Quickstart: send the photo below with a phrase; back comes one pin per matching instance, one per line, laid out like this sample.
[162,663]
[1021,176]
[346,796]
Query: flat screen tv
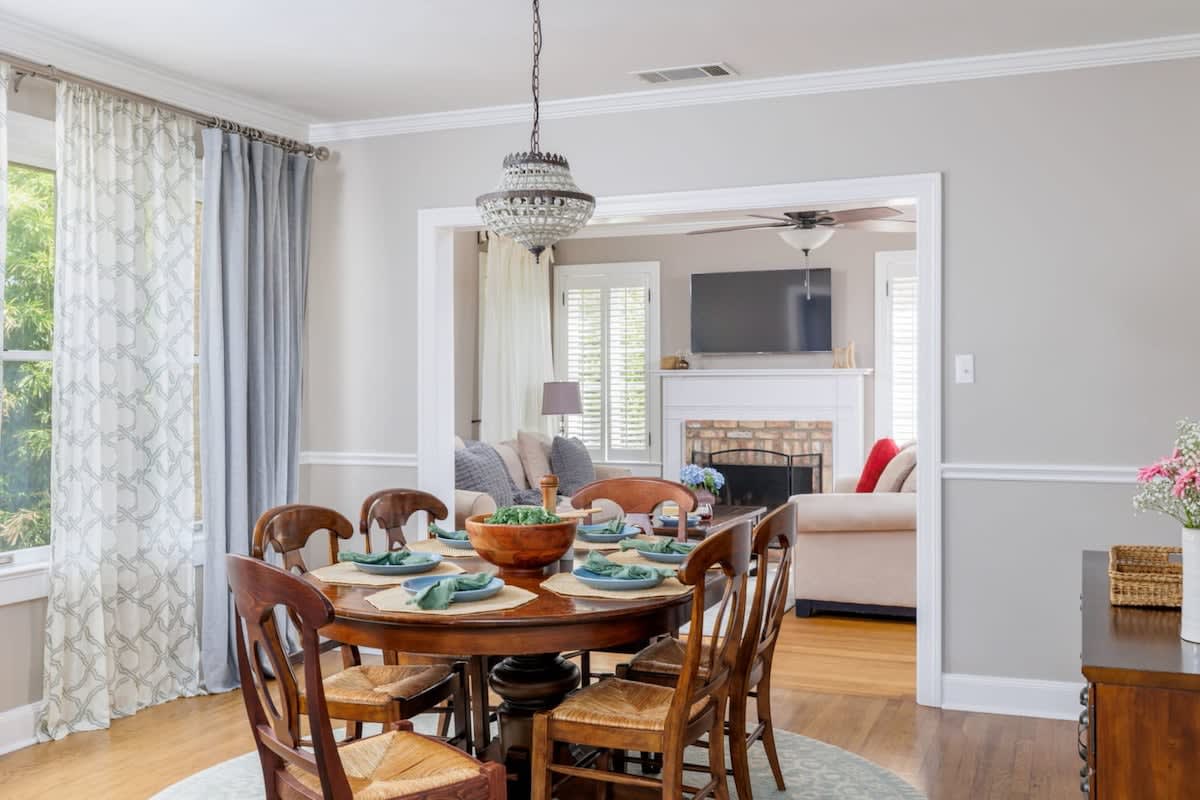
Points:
[763,311]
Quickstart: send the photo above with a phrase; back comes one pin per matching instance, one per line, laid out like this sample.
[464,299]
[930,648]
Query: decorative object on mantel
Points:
[1145,575]
[843,357]
[705,482]
[1171,486]
[668,362]
[682,361]
[537,202]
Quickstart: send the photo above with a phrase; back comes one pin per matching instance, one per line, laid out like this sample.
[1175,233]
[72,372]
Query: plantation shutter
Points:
[903,301]
[583,314]
[605,331]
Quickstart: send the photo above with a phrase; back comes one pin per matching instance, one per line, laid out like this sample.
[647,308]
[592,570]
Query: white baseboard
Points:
[1022,697]
[18,727]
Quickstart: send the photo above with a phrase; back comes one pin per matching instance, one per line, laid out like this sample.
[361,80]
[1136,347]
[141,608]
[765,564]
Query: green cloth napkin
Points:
[394,558]
[438,530]
[660,544]
[441,593]
[627,572]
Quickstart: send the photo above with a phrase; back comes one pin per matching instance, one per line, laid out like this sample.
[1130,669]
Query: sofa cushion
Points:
[572,463]
[479,468]
[897,470]
[883,452]
[910,483]
[534,449]
[512,461]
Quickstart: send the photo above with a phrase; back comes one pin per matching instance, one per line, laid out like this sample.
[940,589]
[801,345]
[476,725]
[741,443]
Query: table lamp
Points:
[562,398]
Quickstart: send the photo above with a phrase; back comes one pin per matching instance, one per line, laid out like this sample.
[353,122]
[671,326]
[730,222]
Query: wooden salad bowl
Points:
[521,549]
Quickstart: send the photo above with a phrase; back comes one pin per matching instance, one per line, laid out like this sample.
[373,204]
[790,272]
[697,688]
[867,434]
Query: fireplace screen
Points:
[763,477]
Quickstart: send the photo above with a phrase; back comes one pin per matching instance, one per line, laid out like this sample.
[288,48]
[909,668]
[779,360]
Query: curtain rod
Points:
[23,67]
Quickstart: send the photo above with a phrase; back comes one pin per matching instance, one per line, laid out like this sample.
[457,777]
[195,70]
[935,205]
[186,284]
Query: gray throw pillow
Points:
[572,463]
[479,468]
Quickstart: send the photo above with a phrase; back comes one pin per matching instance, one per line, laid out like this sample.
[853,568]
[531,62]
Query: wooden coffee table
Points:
[723,517]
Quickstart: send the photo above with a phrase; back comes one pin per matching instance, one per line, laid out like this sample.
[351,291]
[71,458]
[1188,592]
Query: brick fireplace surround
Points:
[782,436]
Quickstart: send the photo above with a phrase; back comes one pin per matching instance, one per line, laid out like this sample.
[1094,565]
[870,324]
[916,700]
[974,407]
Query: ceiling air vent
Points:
[690,73]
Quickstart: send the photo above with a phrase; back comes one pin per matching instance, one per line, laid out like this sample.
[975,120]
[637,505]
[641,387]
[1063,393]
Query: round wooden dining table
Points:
[531,675]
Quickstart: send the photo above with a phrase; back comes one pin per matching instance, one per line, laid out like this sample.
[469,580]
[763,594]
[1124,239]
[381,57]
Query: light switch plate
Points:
[964,368]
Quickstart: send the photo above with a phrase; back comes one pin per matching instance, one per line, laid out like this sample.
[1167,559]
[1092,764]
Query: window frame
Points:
[31,143]
[607,277]
[888,264]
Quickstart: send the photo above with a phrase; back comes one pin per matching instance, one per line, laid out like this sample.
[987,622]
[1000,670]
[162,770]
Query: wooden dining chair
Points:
[394,764]
[615,715]
[383,693]
[633,496]
[662,662]
[390,510]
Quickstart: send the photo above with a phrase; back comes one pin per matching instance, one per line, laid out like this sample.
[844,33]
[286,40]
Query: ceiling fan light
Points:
[807,238]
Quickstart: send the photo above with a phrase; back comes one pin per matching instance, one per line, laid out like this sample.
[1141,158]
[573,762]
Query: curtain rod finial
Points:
[321,154]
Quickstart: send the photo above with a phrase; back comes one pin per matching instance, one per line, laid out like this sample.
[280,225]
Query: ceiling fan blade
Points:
[883,225]
[767,216]
[858,214]
[742,228]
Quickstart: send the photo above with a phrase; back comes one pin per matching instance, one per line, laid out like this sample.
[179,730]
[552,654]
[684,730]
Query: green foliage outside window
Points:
[28,325]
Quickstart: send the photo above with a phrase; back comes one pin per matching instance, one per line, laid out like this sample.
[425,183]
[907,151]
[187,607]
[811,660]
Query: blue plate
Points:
[671,521]
[617,584]
[402,569]
[599,533]
[664,558]
[462,596]
[457,544]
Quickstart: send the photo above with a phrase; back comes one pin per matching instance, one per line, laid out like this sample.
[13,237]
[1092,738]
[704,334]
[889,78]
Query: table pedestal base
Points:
[528,684]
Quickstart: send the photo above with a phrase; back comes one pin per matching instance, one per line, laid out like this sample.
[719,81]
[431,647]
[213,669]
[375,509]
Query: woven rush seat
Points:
[665,657]
[380,684]
[622,704]
[396,764]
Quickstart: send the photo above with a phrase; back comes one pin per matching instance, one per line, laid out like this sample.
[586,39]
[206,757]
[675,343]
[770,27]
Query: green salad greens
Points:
[522,515]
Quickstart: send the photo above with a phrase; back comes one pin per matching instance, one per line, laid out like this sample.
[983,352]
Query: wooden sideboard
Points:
[1139,733]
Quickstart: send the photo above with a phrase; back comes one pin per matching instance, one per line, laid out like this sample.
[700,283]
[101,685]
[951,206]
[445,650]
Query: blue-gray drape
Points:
[254,274]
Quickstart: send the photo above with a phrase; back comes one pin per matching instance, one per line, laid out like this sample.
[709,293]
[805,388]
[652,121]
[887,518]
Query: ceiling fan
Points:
[808,230]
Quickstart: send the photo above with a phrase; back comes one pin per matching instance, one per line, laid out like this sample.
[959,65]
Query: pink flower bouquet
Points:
[1171,485]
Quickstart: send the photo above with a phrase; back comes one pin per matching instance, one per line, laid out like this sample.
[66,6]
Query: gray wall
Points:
[466,334]
[1072,313]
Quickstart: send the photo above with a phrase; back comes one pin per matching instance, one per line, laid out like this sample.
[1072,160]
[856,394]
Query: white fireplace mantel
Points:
[834,395]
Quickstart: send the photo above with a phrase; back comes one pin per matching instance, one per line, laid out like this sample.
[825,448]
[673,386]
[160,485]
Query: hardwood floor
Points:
[843,681]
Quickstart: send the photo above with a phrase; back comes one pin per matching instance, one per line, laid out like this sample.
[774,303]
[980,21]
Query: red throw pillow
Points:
[883,452]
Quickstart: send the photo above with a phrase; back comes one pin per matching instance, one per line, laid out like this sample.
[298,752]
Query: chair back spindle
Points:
[390,509]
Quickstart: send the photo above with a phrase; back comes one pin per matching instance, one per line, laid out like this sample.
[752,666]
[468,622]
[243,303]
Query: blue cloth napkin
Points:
[660,544]
[394,558]
[627,572]
[440,594]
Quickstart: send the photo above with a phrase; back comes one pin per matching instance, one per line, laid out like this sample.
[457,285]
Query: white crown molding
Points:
[342,458]
[1022,697]
[47,46]
[728,91]
[18,727]
[1040,473]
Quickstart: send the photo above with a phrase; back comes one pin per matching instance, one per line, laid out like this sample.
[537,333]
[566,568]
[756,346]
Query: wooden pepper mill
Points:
[549,486]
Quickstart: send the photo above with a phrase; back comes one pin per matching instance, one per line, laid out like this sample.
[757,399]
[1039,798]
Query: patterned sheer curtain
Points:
[121,623]
[515,347]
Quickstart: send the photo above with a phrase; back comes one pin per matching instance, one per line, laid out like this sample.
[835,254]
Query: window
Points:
[27,296]
[896,345]
[606,338]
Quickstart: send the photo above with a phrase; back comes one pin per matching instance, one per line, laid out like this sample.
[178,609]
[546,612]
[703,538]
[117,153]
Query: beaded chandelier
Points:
[537,202]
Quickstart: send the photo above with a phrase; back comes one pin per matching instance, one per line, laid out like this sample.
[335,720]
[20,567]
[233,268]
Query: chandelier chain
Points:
[534,143]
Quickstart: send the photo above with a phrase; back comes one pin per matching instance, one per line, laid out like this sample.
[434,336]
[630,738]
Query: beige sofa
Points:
[525,472]
[858,552]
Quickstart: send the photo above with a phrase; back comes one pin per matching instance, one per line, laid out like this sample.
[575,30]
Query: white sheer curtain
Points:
[121,620]
[515,346]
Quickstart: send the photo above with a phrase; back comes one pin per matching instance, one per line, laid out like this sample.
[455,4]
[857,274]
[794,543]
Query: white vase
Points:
[1189,629]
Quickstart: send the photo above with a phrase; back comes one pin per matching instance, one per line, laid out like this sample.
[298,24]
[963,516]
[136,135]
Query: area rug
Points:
[812,770]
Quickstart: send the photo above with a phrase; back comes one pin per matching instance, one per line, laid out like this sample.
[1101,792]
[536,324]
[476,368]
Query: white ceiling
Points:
[358,59]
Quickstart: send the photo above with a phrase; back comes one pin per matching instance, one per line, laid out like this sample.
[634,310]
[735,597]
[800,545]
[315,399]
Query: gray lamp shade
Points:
[561,397]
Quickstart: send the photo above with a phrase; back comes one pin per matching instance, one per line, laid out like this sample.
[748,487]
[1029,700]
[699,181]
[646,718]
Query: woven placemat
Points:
[434,546]
[568,585]
[345,573]
[507,598]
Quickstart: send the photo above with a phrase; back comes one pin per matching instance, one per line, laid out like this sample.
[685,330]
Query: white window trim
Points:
[885,262]
[609,273]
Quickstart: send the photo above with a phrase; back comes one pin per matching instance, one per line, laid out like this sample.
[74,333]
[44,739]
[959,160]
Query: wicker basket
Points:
[1143,575]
